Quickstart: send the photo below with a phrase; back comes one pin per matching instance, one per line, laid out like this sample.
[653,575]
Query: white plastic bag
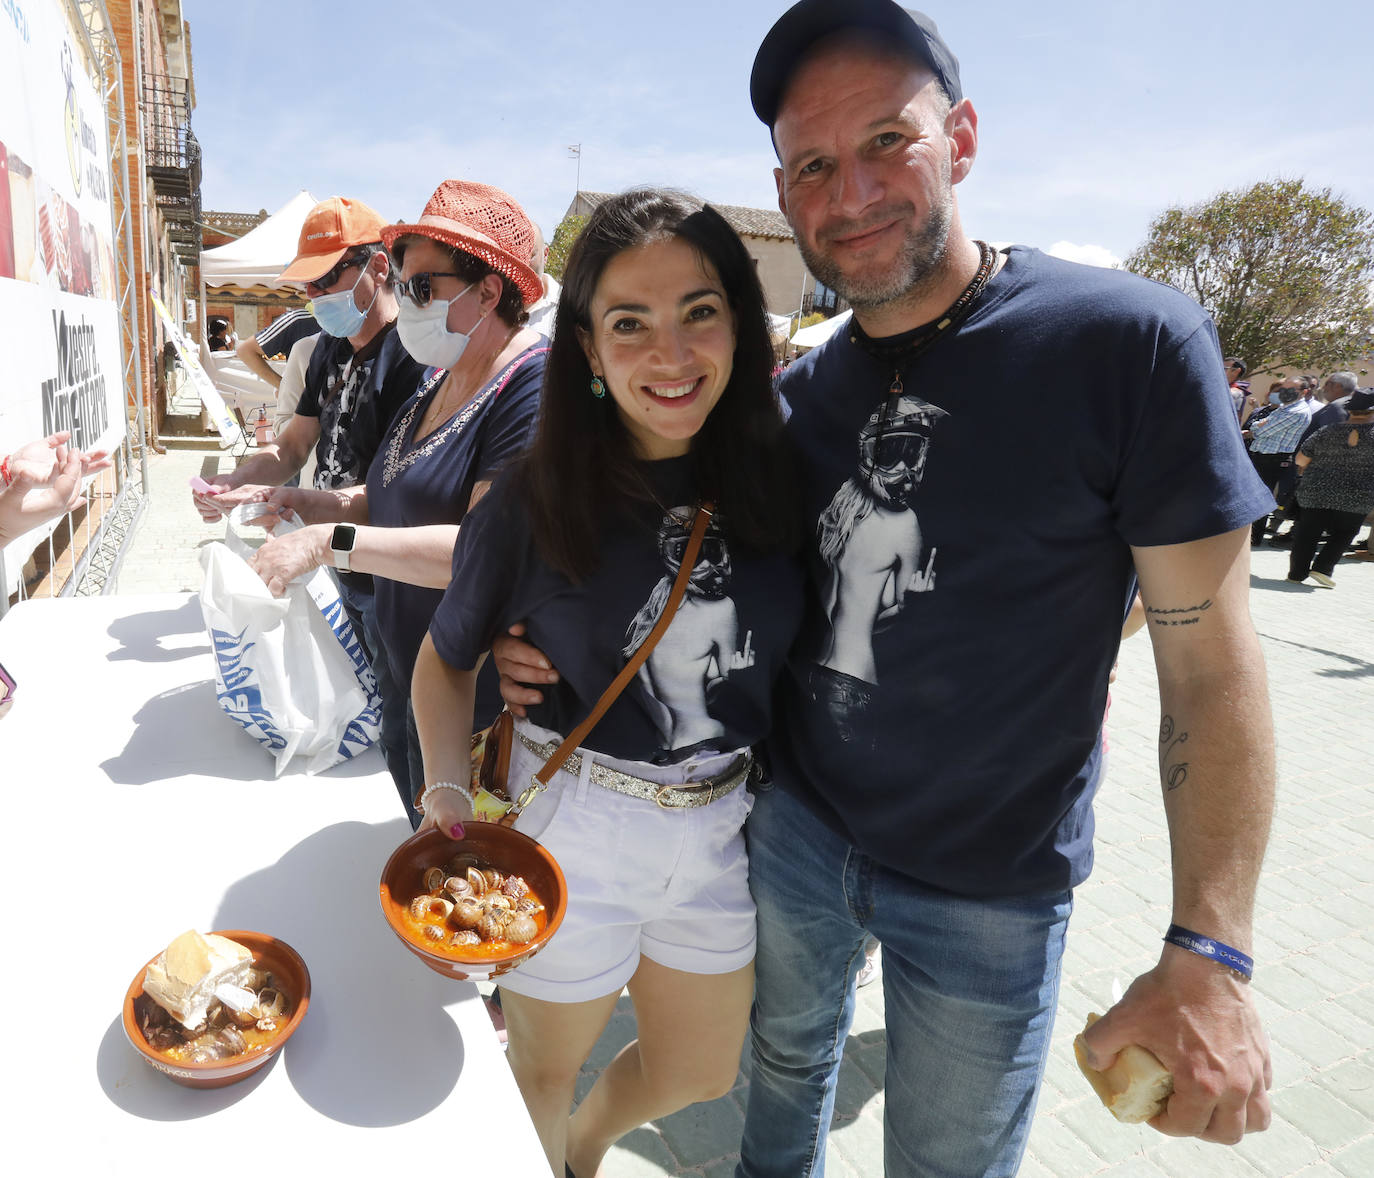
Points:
[289,669]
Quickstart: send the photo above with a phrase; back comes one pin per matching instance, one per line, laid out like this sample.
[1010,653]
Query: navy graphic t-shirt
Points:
[708,684]
[970,564]
[411,484]
[355,395]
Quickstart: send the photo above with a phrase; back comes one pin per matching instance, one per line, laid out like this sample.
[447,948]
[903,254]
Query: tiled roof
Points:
[746,222]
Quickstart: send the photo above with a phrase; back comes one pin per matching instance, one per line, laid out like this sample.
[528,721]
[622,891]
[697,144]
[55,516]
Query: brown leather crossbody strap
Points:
[630,669]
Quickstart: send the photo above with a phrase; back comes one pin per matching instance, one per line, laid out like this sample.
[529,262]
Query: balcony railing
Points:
[172,159]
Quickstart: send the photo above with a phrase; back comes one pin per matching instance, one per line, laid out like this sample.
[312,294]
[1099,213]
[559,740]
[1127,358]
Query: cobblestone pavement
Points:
[1314,945]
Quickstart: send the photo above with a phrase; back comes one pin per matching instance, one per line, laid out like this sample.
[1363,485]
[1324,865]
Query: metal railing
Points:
[172,158]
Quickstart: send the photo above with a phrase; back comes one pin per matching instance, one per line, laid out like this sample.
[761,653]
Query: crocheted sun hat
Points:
[482,221]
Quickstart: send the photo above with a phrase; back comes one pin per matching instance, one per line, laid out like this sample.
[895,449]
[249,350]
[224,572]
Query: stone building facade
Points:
[163,179]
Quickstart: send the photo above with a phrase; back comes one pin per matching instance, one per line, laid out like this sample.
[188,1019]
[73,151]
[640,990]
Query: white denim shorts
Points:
[671,885]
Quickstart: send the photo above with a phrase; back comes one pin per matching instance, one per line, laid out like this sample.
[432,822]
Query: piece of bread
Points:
[1135,1088]
[185,978]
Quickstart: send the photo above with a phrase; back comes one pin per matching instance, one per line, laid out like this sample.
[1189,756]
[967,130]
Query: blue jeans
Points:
[969,986]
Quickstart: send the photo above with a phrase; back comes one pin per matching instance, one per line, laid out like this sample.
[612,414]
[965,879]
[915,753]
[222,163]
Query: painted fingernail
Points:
[456,830]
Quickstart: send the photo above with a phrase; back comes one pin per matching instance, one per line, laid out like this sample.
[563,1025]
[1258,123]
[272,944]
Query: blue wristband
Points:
[1233,959]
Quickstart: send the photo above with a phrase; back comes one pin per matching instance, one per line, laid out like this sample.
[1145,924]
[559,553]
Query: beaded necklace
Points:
[924,338]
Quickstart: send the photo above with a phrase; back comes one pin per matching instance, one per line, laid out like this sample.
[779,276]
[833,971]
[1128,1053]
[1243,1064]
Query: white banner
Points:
[59,319]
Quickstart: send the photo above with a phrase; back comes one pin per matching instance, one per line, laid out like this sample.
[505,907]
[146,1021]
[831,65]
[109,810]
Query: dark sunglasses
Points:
[418,288]
[327,280]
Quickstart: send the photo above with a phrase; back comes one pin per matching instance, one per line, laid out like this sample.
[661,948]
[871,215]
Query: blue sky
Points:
[1093,116]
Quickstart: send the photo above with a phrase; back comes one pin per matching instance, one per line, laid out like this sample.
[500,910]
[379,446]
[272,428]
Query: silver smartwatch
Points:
[341,545]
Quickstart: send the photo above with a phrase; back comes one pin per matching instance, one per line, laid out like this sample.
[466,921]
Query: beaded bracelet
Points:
[438,785]
[1237,962]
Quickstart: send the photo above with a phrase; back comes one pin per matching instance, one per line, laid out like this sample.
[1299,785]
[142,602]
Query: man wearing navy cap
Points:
[940,742]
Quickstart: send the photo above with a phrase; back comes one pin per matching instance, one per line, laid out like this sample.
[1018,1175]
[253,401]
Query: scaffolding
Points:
[83,554]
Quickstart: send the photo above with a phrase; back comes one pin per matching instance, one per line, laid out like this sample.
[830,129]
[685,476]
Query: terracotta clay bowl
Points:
[279,959]
[502,847]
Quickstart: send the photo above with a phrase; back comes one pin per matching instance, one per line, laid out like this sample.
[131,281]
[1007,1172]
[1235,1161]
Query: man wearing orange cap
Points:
[359,373]
[358,377]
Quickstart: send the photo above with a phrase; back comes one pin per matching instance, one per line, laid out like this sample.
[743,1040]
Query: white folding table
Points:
[134,809]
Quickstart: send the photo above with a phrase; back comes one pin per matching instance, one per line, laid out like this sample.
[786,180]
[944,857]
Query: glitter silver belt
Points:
[670,797]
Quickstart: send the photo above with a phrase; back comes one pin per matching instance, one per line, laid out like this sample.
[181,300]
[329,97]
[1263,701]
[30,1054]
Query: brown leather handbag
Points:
[491,748]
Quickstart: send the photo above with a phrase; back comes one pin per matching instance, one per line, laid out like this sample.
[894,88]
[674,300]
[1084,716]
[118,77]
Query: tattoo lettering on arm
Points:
[1187,615]
[1170,739]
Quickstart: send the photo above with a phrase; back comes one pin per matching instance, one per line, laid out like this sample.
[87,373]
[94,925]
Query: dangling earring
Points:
[598,387]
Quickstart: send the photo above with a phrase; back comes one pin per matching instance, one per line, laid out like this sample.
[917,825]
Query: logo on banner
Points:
[71,120]
[74,399]
[78,133]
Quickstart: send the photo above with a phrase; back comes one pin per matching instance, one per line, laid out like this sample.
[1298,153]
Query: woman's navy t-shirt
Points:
[707,686]
[411,484]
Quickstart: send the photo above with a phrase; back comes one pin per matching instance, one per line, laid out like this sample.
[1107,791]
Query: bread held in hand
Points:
[1135,1088]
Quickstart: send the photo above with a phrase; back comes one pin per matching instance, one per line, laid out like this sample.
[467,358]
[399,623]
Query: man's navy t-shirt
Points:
[355,395]
[708,684]
[970,563]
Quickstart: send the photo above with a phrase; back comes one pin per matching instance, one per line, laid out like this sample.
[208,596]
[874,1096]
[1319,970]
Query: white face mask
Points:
[425,334]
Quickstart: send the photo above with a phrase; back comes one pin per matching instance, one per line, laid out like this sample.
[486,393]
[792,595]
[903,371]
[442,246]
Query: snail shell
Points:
[491,927]
[458,887]
[521,929]
[271,1003]
[430,908]
[466,913]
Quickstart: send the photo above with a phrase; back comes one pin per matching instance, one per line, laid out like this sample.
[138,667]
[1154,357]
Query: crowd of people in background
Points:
[1310,442]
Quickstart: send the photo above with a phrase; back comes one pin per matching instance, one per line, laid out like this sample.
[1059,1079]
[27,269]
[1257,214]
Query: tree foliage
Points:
[1284,270]
[563,237]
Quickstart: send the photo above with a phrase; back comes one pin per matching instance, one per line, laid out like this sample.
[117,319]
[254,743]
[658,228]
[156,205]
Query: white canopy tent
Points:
[251,264]
[818,333]
[257,257]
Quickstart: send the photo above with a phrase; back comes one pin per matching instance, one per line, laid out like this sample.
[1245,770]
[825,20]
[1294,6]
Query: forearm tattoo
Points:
[1188,615]
[1173,773]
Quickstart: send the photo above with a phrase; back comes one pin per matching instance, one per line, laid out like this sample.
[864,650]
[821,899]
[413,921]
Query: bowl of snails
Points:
[244,995]
[475,908]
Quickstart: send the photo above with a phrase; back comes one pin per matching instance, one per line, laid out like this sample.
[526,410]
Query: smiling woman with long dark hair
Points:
[657,412]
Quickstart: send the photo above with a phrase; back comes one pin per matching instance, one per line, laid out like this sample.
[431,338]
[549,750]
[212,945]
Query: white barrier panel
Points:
[209,395]
[59,321]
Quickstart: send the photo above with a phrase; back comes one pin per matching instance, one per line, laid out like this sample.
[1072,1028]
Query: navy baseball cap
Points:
[804,24]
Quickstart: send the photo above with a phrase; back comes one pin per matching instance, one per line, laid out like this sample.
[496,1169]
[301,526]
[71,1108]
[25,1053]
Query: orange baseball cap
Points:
[331,229]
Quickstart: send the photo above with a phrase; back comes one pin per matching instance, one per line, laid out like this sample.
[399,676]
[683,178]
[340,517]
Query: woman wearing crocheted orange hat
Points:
[463,280]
